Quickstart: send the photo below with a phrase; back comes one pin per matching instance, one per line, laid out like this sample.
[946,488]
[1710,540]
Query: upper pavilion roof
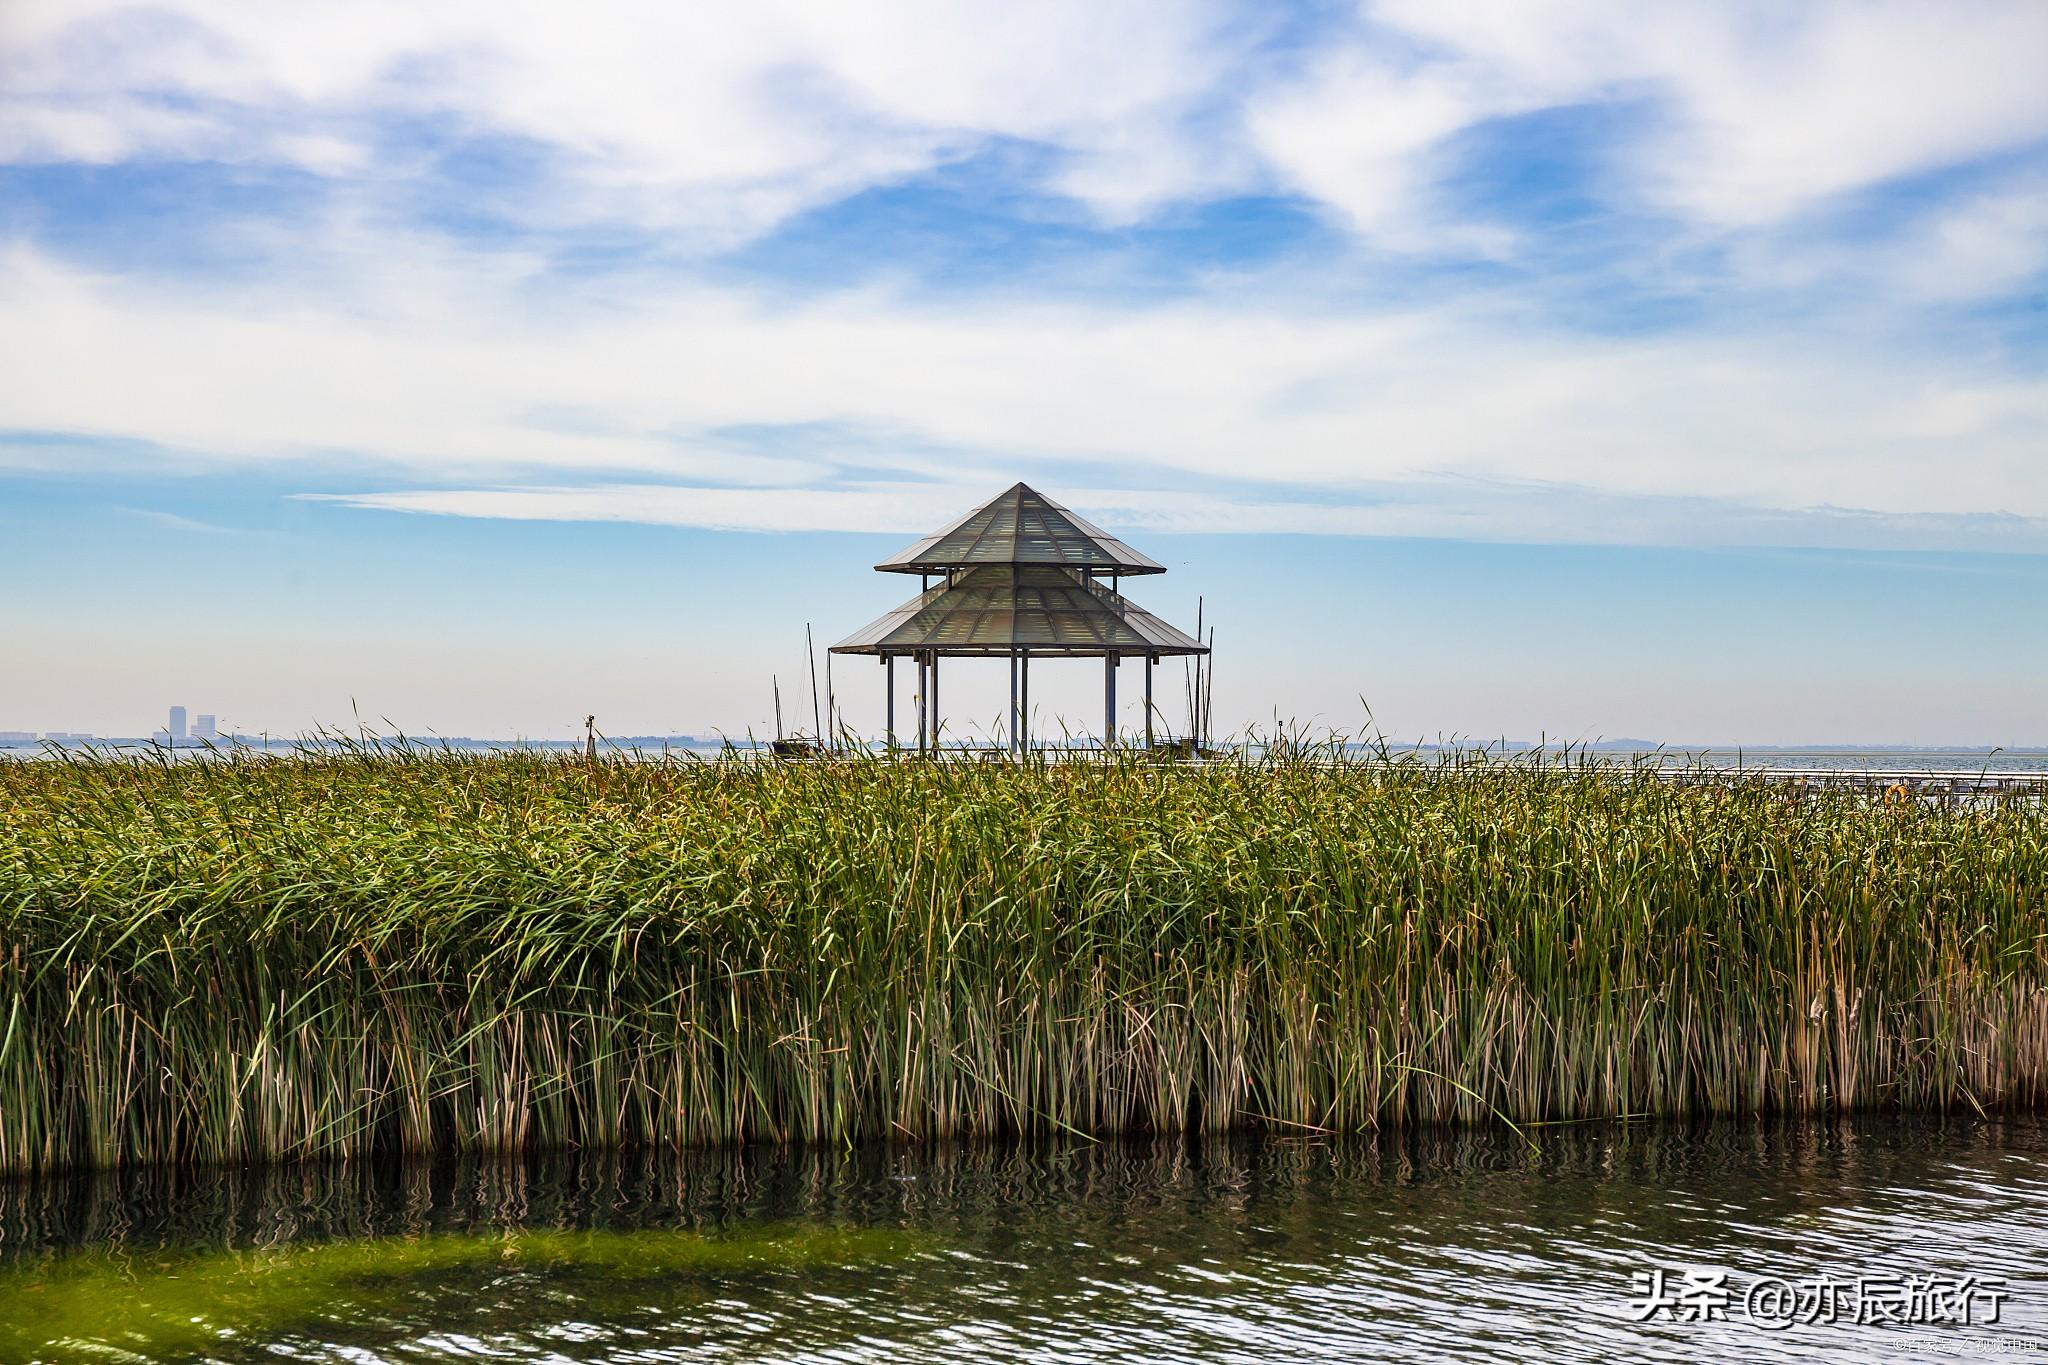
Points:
[1021,526]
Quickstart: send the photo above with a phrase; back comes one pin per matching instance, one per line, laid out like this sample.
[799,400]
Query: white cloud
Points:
[1752,111]
[716,120]
[715,123]
[1857,94]
[465,377]
[431,360]
[1985,244]
[1465,510]
[1366,139]
[1979,248]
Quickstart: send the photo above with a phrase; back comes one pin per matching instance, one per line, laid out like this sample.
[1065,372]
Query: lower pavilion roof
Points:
[1039,608]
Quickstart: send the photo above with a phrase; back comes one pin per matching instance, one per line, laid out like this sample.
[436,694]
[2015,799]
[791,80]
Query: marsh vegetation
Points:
[386,950]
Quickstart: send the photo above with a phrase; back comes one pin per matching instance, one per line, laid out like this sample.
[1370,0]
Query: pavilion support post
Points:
[935,702]
[1150,659]
[889,705]
[1015,736]
[1109,701]
[1024,699]
[923,700]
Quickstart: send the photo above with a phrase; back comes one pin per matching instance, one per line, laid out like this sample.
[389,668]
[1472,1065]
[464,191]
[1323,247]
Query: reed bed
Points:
[388,950]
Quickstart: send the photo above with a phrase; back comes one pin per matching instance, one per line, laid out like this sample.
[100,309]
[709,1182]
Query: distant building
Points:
[176,729]
[68,737]
[203,728]
[17,736]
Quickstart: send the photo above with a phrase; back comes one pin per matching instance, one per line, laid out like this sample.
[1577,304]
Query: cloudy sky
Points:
[1545,366]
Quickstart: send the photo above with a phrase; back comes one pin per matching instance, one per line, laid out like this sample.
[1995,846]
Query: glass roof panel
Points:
[1020,526]
[997,607]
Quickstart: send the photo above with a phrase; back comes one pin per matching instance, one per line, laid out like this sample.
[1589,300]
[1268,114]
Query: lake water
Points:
[1418,1247]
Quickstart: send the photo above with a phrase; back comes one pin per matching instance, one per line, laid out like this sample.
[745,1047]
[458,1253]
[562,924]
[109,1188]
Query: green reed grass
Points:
[392,950]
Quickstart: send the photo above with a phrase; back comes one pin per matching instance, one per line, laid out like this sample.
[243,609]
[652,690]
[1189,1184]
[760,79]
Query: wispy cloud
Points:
[715,121]
[467,381]
[510,269]
[724,121]
[177,521]
[1465,510]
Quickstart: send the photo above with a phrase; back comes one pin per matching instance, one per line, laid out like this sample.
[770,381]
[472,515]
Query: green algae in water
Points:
[142,1305]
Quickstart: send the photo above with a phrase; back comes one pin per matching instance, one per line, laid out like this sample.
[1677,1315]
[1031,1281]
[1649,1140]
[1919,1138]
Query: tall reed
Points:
[393,950]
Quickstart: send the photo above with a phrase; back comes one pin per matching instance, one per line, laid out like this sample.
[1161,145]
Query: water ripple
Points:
[1416,1247]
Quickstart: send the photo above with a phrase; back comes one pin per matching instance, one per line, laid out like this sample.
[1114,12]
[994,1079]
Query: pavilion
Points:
[1018,578]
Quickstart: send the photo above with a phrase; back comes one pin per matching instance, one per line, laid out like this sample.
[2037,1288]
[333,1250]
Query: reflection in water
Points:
[1411,1247]
[176,1301]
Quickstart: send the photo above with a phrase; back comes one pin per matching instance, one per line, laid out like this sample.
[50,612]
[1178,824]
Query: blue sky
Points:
[1552,367]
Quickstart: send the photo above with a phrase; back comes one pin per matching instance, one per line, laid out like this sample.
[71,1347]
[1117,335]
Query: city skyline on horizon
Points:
[207,728]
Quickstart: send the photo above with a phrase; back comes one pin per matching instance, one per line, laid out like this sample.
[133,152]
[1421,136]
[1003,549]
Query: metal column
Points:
[1150,659]
[889,707]
[1024,697]
[935,702]
[1015,736]
[1109,701]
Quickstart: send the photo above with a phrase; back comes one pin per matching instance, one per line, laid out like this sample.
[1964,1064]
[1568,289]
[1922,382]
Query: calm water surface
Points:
[1462,1246]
